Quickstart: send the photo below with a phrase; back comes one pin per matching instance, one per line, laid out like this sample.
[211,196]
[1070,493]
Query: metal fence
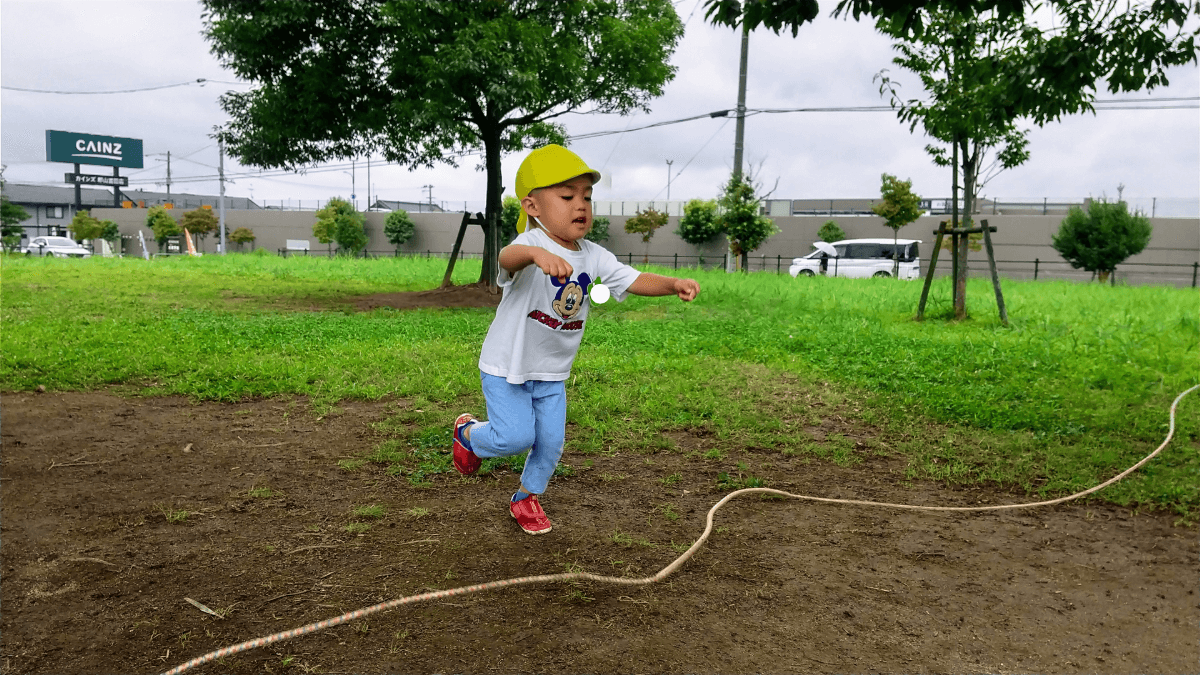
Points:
[1176,274]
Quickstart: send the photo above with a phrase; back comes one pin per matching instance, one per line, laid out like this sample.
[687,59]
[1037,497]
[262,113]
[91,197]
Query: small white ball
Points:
[599,294]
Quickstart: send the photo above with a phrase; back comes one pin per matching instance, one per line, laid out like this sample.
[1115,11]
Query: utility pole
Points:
[368,183]
[741,104]
[353,192]
[740,134]
[669,163]
[430,188]
[168,174]
[221,201]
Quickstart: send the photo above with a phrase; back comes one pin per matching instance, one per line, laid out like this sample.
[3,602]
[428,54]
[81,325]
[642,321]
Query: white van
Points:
[859,258]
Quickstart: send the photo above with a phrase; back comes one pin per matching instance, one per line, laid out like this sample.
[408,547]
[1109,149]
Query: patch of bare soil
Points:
[95,573]
[468,295]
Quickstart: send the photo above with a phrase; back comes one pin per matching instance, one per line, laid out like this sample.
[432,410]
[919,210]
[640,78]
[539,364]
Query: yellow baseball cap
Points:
[548,165]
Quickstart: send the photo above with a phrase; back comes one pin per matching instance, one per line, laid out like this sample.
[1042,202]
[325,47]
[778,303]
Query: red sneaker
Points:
[529,515]
[465,461]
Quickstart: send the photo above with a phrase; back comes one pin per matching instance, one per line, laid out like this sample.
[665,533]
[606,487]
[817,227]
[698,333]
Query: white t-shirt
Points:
[539,323]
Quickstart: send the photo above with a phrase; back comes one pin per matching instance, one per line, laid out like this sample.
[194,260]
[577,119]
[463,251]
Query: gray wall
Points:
[1018,238]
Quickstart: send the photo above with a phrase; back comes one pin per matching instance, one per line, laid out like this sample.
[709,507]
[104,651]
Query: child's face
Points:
[565,209]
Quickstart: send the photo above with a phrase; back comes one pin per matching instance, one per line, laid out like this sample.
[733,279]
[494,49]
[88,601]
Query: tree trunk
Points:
[745,258]
[495,186]
[896,253]
[954,223]
[960,280]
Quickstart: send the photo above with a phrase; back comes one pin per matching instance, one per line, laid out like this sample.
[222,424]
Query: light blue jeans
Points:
[528,416]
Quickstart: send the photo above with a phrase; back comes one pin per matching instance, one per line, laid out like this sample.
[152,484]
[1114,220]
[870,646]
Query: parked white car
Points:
[859,258]
[56,247]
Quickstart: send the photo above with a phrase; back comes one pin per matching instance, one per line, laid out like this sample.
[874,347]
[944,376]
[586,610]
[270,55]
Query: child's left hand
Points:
[687,289]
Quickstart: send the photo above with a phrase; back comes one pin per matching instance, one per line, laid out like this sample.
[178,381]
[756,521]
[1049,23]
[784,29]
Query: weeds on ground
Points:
[173,515]
[370,511]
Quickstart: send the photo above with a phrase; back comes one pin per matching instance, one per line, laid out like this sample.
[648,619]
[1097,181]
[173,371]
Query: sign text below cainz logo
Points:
[76,148]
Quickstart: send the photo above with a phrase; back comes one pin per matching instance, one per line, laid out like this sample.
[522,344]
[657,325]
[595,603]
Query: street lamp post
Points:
[669,163]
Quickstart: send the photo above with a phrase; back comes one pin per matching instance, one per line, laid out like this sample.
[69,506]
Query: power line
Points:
[200,80]
[697,154]
[1106,104]
[1129,104]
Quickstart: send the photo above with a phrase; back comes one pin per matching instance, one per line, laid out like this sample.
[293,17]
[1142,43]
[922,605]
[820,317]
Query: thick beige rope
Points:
[664,572]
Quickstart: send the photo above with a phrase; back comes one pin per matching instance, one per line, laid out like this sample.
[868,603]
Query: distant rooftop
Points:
[20,193]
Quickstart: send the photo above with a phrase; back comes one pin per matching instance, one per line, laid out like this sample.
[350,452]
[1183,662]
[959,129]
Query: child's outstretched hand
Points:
[553,265]
[687,289]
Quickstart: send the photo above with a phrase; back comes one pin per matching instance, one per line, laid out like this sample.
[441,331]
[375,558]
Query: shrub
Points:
[242,235]
[399,228]
[162,224]
[11,216]
[110,232]
[599,231]
[1102,237]
[699,222]
[83,226]
[201,223]
[831,232]
[340,222]
[510,212]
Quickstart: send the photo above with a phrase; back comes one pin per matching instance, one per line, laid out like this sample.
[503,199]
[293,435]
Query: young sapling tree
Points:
[645,222]
[898,208]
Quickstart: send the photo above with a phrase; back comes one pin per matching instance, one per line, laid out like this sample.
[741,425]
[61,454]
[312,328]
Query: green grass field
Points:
[1073,391]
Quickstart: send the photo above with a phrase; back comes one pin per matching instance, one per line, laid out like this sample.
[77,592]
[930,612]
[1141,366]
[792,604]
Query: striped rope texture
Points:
[643,581]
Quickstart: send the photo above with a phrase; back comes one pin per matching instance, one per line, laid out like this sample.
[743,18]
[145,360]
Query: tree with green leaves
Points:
[984,71]
[340,222]
[241,236]
[699,222]
[599,232]
[1102,237]
[510,214]
[831,232]
[83,226]
[1147,29]
[898,208]
[956,58]
[11,217]
[645,222]
[201,222]
[741,220]
[398,227]
[110,232]
[423,82]
[162,224]
[986,64]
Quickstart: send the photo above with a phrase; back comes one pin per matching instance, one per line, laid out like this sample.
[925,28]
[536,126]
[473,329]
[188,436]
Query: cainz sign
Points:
[76,148]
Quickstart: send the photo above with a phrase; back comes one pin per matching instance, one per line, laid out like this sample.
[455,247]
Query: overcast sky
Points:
[99,45]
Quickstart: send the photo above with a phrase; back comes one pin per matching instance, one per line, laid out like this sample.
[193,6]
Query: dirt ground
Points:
[95,572]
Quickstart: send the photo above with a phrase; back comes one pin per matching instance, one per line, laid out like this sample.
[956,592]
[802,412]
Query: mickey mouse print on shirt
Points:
[567,304]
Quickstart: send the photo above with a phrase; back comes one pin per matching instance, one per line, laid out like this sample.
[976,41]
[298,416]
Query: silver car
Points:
[56,247]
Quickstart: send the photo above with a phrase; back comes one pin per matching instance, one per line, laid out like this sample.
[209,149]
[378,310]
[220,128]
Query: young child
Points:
[546,274]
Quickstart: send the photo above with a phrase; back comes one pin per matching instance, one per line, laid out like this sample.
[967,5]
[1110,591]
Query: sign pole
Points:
[221,203]
[117,187]
[78,191]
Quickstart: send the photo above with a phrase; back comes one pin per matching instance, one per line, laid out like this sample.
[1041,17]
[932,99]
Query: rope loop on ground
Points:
[663,573]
